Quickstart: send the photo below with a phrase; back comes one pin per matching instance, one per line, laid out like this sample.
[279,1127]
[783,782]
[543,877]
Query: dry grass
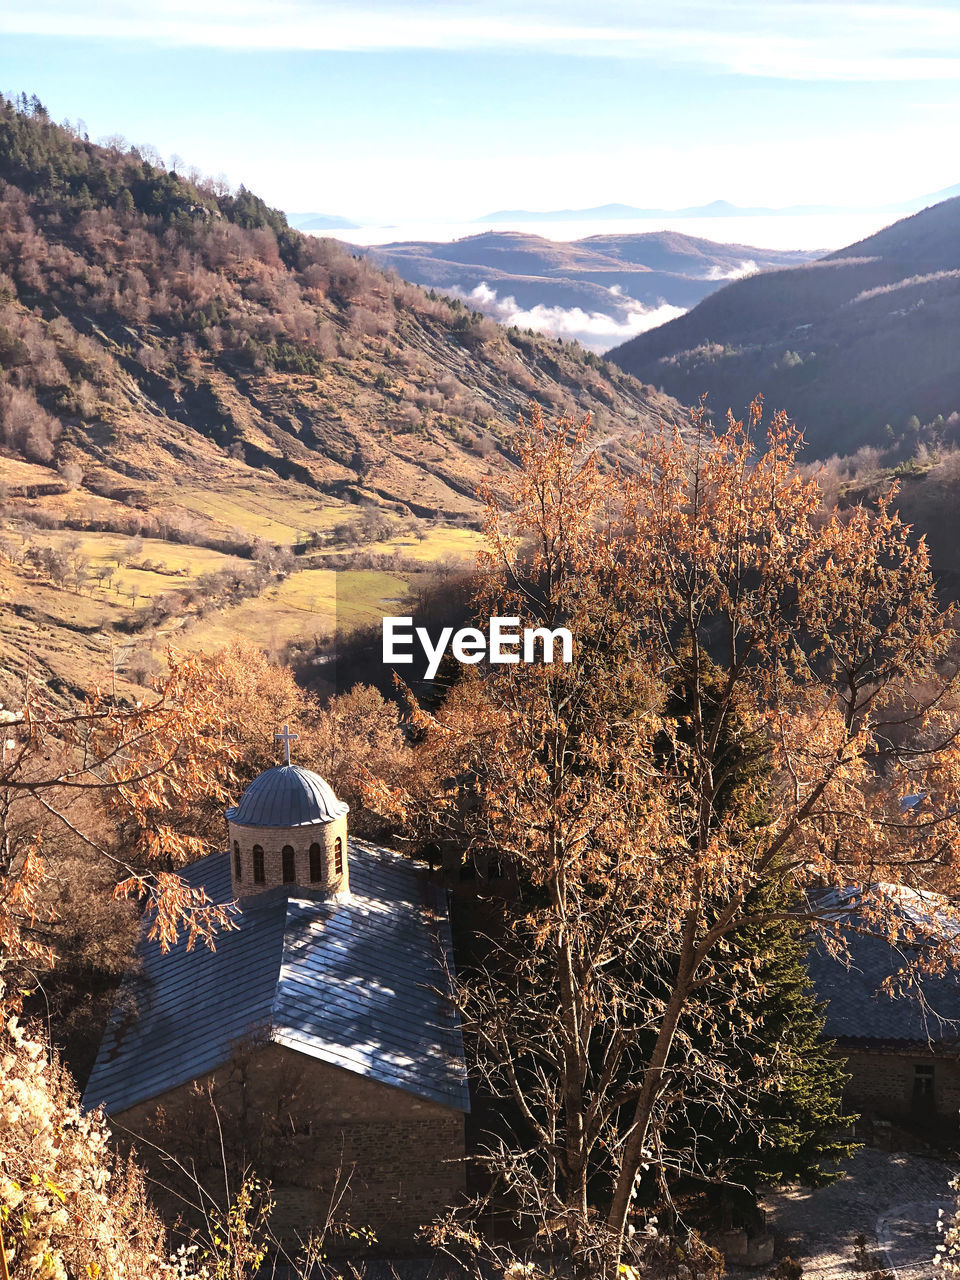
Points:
[437,545]
[19,474]
[307,606]
[267,512]
[183,564]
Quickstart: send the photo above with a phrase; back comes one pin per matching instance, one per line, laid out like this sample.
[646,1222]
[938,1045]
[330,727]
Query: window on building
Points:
[338,856]
[316,863]
[289,864]
[259,875]
[237,860]
[923,1083]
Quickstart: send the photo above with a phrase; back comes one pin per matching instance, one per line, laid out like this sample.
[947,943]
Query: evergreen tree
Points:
[763,1100]
[784,1120]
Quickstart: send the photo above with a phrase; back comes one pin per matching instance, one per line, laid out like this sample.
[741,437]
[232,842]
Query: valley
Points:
[469,803]
[212,425]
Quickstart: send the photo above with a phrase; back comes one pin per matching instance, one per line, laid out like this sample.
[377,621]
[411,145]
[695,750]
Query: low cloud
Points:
[746,268]
[596,330]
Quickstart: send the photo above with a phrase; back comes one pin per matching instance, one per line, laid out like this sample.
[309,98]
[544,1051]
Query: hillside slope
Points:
[178,364]
[863,339]
[147,323]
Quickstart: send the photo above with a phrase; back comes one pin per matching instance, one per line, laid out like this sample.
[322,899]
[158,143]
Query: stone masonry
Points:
[403,1155]
[271,840]
[883,1082]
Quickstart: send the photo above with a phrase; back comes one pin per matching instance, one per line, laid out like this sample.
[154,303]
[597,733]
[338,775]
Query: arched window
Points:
[316,863]
[259,876]
[338,856]
[289,864]
[237,861]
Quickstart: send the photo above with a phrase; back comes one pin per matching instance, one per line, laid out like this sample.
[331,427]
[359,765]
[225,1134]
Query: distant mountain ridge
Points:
[855,343]
[321,222]
[612,212]
[713,209]
[615,276]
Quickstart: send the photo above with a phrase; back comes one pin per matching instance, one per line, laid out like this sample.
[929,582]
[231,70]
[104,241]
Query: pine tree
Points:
[784,1121]
[768,1108]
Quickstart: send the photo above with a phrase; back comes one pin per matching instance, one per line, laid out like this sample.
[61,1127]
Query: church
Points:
[326,1015]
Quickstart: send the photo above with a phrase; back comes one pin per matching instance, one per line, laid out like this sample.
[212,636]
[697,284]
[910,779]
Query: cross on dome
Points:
[286,738]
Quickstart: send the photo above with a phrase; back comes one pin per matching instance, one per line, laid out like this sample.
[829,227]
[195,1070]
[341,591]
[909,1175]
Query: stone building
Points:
[325,1016]
[903,1052]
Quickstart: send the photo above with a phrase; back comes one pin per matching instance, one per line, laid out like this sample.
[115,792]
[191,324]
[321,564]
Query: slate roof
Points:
[362,983]
[858,1013]
[287,796]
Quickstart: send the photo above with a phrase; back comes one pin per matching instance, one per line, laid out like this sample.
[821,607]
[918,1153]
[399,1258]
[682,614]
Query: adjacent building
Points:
[902,1052]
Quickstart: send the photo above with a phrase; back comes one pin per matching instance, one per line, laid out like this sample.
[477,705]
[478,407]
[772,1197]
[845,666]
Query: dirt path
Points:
[889,1197]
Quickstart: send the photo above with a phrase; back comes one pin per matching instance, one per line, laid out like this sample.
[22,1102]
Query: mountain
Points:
[917,203]
[611,212]
[714,209]
[856,342]
[321,222]
[191,391]
[616,276]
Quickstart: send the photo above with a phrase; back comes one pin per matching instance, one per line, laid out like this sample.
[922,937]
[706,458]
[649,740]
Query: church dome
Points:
[287,796]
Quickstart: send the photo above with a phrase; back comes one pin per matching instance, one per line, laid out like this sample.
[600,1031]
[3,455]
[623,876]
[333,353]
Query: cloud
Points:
[746,268]
[595,330]
[785,39]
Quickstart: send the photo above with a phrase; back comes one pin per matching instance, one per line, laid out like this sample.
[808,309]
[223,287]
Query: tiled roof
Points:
[363,984]
[858,1012]
[287,796]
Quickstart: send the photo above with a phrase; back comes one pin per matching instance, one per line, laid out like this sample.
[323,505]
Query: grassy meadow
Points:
[116,600]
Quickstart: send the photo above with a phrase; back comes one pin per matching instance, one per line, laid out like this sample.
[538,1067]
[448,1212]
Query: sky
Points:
[448,109]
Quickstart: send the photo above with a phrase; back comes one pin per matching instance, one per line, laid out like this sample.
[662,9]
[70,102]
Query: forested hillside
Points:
[171,297]
[857,346]
[177,364]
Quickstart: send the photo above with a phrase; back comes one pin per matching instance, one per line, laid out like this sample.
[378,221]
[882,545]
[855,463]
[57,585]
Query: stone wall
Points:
[272,839]
[403,1154]
[883,1083]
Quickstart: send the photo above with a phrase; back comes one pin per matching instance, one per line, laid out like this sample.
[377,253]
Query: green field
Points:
[183,564]
[309,605]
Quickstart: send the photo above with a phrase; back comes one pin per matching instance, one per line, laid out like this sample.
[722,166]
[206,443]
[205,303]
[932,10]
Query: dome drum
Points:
[288,829]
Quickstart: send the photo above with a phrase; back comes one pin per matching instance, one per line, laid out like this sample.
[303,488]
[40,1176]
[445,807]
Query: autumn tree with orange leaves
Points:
[106,768]
[714,571]
[112,799]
